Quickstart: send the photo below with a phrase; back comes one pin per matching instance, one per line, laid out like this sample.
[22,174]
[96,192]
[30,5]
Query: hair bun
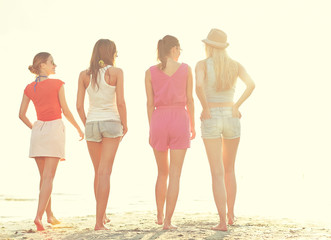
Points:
[32,69]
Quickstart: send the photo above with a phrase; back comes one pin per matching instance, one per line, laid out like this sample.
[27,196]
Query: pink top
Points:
[169,90]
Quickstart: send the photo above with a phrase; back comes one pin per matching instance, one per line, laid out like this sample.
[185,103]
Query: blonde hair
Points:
[226,69]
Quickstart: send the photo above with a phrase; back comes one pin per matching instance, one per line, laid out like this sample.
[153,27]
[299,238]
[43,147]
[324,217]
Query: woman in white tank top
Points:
[105,123]
[220,125]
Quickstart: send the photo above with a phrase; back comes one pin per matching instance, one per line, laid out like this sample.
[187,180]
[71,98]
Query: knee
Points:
[103,173]
[47,177]
[217,174]
[163,174]
[174,176]
[229,170]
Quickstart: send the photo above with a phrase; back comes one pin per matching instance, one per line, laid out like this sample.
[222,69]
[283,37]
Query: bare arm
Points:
[81,97]
[250,85]
[150,95]
[67,113]
[199,89]
[23,109]
[190,101]
[121,106]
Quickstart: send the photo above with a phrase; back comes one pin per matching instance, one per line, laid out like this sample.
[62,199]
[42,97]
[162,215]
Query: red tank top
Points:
[169,90]
[45,97]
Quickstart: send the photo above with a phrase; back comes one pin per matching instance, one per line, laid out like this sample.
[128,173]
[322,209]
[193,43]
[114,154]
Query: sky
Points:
[283,160]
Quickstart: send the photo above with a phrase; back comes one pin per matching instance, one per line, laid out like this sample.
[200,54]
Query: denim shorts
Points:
[221,124]
[96,130]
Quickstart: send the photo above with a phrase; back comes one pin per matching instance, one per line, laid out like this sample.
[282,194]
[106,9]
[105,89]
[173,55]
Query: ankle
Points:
[167,221]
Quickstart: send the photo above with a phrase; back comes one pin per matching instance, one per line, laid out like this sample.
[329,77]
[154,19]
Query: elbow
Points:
[190,102]
[121,105]
[79,107]
[252,86]
[21,116]
[198,90]
[66,113]
[150,105]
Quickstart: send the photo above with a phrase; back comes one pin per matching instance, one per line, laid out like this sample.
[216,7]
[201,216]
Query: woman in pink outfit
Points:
[170,111]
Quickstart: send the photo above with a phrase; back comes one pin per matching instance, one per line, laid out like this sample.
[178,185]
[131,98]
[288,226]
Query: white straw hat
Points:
[216,38]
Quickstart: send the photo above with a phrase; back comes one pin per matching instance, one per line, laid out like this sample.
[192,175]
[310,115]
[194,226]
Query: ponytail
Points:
[164,46]
[161,54]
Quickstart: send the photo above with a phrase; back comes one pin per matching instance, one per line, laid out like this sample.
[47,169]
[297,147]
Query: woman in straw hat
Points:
[220,119]
[105,123]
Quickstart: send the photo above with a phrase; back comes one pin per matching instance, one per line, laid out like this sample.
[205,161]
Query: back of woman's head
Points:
[163,49]
[226,69]
[103,54]
[40,58]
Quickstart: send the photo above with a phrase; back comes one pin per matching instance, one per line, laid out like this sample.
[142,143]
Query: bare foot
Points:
[169,226]
[159,220]
[106,220]
[102,227]
[231,219]
[52,220]
[220,227]
[39,225]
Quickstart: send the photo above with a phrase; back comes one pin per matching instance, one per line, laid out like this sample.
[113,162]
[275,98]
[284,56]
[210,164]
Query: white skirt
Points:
[47,139]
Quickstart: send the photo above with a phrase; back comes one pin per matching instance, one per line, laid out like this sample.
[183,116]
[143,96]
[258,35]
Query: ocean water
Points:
[291,196]
[277,176]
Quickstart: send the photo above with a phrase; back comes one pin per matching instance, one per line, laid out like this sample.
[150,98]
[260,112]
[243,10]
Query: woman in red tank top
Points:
[48,133]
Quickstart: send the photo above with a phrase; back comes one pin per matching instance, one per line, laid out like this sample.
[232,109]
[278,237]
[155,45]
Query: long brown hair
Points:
[163,48]
[40,58]
[103,54]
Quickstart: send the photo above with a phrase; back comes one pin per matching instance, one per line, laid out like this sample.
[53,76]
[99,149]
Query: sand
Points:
[140,225]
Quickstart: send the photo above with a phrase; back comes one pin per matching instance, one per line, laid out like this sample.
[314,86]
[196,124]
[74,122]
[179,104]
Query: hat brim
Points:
[215,44]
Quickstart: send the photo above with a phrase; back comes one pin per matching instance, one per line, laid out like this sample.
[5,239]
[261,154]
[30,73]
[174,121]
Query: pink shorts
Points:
[170,128]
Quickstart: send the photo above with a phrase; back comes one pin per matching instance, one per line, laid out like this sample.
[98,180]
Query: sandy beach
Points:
[140,225]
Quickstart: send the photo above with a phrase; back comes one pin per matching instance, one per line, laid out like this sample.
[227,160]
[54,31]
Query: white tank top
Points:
[210,90]
[102,100]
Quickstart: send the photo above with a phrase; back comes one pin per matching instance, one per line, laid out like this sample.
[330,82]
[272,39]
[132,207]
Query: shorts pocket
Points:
[89,130]
[111,129]
[235,125]
[208,126]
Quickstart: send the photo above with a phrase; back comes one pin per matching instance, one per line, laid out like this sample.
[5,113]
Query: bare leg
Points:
[50,216]
[108,152]
[94,149]
[230,147]
[161,183]
[176,163]
[49,169]
[214,154]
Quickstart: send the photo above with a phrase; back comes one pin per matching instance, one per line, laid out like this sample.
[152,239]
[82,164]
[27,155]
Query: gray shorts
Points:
[221,124]
[96,130]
